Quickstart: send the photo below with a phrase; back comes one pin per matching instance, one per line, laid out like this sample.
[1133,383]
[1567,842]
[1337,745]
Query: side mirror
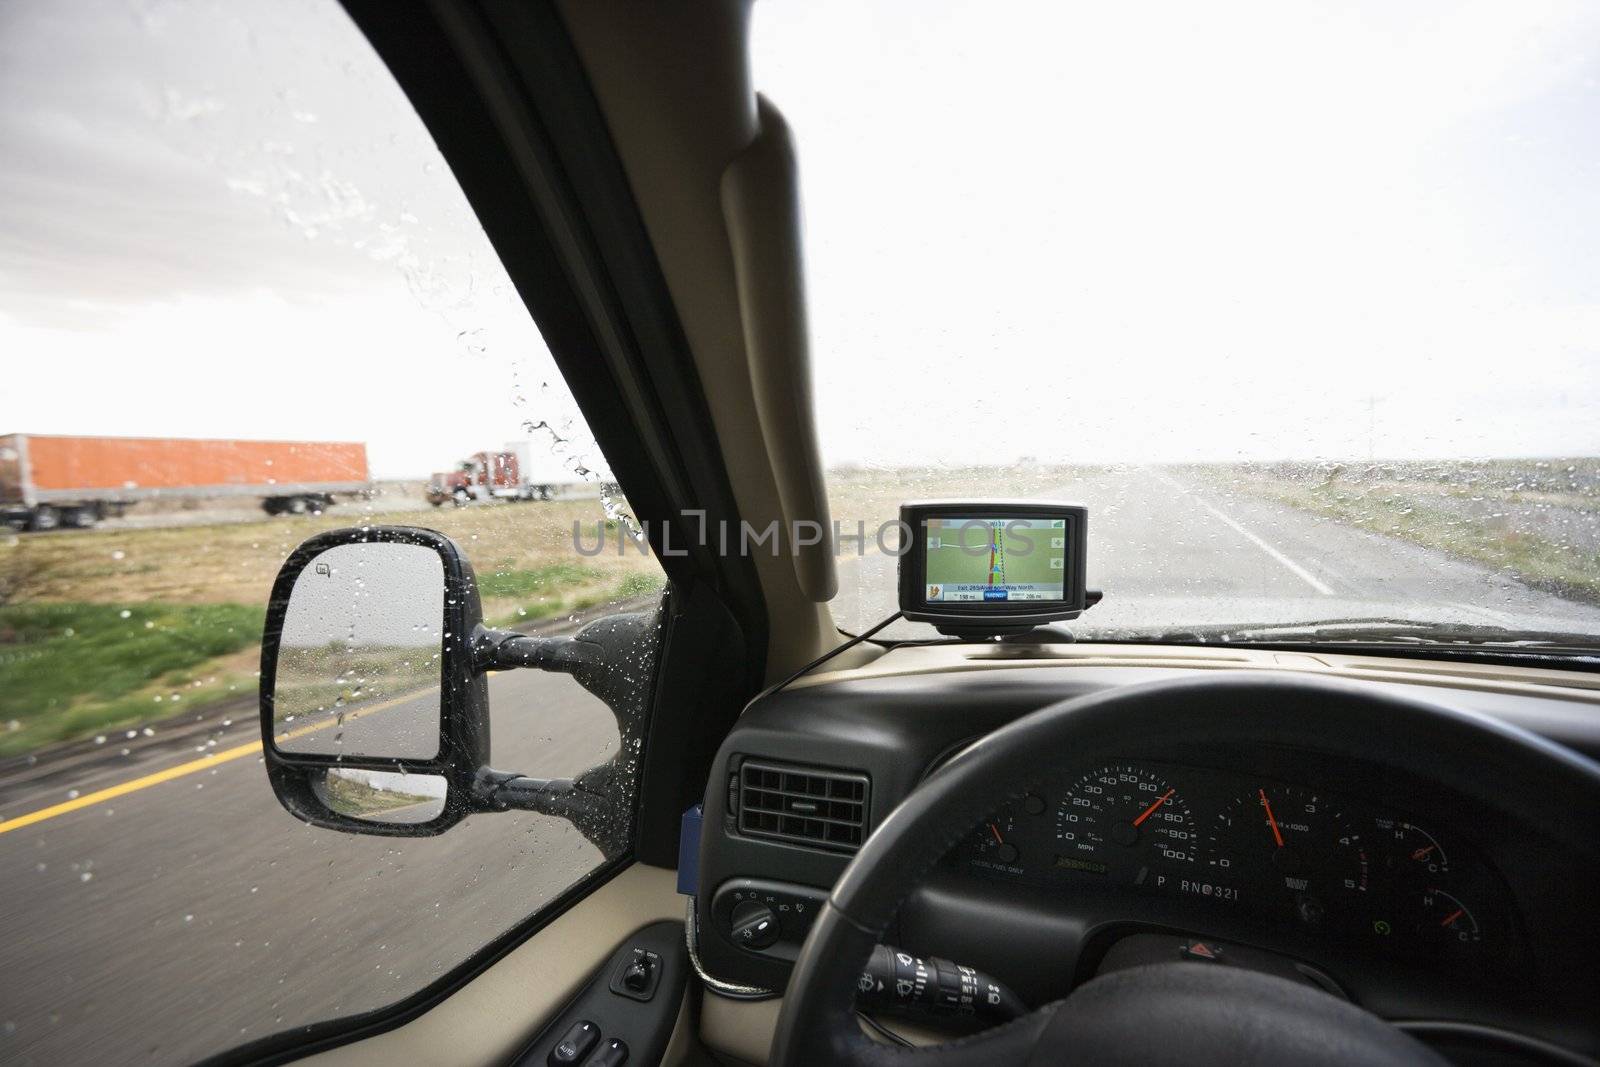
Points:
[375,700]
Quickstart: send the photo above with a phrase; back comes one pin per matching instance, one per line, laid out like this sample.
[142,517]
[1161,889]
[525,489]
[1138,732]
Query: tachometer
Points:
[1294,840]
[1119,814]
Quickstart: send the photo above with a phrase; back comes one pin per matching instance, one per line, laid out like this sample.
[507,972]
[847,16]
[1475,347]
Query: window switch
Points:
[576,1044]
[614,1054]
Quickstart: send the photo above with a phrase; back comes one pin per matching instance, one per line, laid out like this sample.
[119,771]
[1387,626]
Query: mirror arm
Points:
[587,807]
[508,791]
[598,802]
[500,650]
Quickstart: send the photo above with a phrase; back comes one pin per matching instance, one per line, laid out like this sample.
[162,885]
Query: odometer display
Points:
[1123,815]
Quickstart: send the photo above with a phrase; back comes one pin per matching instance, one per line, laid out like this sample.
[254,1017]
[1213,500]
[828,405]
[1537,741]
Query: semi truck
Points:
[513,473]
[51,481]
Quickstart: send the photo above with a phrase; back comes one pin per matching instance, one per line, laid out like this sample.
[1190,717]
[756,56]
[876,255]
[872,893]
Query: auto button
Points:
[575,1045]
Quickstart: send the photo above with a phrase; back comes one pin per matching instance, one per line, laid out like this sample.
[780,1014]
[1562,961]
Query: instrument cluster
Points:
[1298,855]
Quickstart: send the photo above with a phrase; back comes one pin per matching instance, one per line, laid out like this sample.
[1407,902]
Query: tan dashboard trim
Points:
[740,1030]
[1491,678]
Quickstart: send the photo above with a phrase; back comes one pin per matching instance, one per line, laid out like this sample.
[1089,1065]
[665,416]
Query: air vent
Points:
[825,809]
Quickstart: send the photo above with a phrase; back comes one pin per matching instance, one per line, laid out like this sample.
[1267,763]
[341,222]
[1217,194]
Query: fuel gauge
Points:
[997,841]
[994,845]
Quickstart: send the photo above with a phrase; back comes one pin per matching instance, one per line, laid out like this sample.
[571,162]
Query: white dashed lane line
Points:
[1288,564]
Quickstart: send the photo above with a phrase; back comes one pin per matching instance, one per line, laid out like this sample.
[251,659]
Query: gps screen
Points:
[994,559]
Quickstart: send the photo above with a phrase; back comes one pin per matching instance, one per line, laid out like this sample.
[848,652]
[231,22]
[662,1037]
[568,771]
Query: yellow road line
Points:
[192,767]
[89,799]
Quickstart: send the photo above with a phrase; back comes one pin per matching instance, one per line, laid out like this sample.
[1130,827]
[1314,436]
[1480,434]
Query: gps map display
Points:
[995,559]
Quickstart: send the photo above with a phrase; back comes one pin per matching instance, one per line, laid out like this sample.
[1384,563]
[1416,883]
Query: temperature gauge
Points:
[1447,921]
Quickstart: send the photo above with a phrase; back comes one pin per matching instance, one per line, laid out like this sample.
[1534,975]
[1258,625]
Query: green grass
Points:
[640,583]
[558,589]
[69,669]
[357,799]
[550,578]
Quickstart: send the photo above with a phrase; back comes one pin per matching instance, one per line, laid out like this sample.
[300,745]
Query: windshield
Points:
[1299,299]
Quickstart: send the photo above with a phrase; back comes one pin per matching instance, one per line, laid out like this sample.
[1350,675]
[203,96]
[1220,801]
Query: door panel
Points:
[494,1016]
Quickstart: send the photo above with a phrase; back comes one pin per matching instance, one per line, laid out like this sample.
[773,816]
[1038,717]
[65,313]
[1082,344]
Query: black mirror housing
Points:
[298,777]
[348,701]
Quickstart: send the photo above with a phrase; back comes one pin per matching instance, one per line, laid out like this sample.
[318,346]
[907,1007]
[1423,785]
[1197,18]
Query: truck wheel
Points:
[79,518]
[546,493]
[297,505]
[44,517]
[461,499]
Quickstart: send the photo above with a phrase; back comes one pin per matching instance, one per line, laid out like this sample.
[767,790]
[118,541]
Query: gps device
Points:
[992,567]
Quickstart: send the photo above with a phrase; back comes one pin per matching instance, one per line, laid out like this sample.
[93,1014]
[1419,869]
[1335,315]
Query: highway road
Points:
[193,914]
[1168,553]
[189,913]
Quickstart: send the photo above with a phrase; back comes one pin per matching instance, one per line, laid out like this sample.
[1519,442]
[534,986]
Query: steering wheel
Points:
[1178,1012]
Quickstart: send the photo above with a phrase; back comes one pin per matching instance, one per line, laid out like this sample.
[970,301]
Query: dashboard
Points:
[1377,884]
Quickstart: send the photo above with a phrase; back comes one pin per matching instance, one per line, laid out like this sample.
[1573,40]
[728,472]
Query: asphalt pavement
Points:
[180,911]
[1168,552]
[194,914]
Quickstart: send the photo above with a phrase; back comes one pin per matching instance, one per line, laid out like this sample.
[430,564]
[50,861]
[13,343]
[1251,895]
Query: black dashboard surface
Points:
[1413,902]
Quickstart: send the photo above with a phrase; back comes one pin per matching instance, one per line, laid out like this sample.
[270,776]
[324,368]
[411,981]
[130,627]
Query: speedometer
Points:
[1120,814]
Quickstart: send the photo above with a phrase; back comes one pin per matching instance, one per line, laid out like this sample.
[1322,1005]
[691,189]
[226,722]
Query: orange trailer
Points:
[46,481]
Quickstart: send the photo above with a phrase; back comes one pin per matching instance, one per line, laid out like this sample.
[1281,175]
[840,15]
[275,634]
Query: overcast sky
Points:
[223,219]
[1068,230]
[396,602]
